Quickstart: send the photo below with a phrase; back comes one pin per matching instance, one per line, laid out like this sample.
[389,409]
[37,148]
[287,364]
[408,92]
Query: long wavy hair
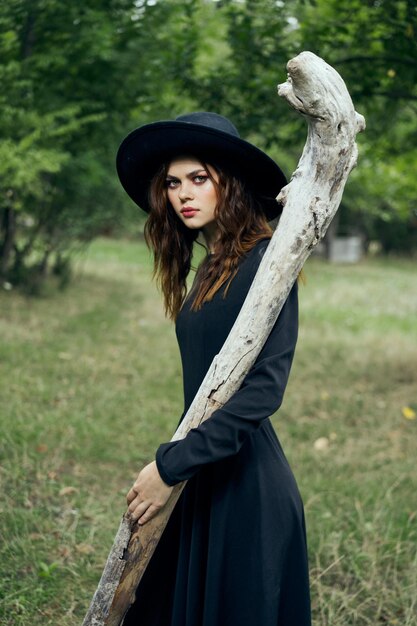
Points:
[241,224]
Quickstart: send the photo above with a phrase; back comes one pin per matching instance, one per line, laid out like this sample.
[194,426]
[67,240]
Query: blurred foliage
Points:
[373,45]
[73,76]
[76,77]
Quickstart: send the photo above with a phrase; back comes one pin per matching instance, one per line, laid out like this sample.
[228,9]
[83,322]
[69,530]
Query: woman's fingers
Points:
[150,512]
[137,508]
[148,494]
[143,511]
[132,494]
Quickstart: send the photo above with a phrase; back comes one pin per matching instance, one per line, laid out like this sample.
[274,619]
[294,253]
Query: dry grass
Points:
[90,383]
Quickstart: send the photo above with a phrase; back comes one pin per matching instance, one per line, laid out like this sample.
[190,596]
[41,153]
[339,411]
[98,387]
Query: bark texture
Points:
[310,201]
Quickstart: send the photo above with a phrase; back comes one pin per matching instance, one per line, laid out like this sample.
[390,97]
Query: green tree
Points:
[373,45]
[47,116]
[75,77]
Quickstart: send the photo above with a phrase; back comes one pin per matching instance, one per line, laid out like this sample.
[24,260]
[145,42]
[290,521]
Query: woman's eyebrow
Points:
[188,175]
[195,172]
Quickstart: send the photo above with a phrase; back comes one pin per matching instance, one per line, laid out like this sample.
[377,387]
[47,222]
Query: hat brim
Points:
[145,149]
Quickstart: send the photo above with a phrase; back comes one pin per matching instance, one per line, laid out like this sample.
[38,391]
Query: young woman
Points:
[234,550]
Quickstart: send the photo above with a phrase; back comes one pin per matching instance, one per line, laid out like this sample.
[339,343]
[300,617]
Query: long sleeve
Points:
[259,396]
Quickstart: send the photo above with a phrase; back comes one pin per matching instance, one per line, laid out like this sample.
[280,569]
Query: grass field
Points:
[90,384]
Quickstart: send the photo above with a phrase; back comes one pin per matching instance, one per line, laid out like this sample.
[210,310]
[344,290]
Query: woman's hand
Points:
[148,494]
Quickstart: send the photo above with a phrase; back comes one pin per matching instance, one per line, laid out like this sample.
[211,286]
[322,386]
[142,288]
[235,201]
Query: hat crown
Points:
[211,120]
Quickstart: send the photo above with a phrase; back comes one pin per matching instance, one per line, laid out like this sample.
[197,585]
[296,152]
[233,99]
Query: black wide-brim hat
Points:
[207,136]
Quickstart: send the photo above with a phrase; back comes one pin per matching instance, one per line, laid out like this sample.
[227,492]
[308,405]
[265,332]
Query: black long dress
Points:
[234,550]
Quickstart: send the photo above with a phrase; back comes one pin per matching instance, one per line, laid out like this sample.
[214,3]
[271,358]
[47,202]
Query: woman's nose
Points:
[185,192]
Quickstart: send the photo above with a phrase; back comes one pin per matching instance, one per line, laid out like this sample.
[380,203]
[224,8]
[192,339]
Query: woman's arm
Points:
[260,395]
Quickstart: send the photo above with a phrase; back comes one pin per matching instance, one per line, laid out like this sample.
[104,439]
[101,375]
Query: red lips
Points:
[188,211]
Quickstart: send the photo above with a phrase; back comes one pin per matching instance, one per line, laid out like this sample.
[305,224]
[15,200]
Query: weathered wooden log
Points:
[310,200]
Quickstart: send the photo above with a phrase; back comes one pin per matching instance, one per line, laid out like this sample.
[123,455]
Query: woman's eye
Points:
[201,178]
[171,184]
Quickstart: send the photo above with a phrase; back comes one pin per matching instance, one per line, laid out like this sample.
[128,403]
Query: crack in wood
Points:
[221,383]
[316,226]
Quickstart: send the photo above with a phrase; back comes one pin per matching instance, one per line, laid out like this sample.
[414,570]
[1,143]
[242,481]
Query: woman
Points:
[234,550]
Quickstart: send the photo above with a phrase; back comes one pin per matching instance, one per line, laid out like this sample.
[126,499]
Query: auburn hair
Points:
[241,224]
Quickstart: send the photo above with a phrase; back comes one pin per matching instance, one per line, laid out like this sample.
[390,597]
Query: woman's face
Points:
[192,193]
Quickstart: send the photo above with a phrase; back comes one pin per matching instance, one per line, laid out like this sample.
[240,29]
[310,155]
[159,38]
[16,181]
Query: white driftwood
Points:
[310,200]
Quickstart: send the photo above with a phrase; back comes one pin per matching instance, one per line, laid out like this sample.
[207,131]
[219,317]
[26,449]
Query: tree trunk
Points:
[28,32]
[310,200]
[9,214]
[7,245]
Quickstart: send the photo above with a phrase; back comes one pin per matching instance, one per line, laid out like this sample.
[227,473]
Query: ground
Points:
[90,383]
